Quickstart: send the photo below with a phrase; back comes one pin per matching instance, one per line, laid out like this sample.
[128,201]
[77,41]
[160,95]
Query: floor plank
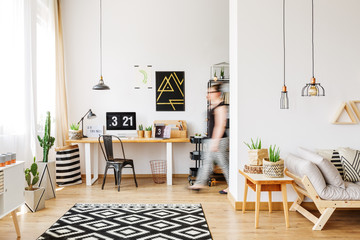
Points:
[224,222]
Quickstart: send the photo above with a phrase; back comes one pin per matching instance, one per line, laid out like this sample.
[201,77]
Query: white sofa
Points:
[318,179]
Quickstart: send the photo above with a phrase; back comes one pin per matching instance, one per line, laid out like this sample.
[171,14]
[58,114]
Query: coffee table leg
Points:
[257,205]
[245,196]
[285,204]
[270,202]
[16,224]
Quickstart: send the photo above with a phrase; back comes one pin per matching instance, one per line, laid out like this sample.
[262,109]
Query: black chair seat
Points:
[116,163]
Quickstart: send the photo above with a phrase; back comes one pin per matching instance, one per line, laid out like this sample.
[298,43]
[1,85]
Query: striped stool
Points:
[68,166]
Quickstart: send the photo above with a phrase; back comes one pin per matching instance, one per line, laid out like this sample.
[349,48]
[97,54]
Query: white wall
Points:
[260,66]
[171,35]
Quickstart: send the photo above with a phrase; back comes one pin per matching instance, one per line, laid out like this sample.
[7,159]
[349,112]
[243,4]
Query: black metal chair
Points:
[117,164]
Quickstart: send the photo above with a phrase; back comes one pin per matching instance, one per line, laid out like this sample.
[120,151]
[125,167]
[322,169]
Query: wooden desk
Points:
[92,143]
[259,183]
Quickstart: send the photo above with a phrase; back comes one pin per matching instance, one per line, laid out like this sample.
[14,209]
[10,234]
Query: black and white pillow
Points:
[68,167]
[334,157]
[350,160]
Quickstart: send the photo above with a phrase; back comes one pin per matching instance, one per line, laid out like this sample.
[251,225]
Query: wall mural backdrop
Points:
[170,91]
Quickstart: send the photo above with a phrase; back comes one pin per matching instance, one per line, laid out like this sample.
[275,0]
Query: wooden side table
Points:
[259,183]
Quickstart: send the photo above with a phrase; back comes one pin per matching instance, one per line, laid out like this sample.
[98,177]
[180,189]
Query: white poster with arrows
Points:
[143,75]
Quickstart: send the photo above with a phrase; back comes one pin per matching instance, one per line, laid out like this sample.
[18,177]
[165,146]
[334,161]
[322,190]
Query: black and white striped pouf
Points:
[68,166]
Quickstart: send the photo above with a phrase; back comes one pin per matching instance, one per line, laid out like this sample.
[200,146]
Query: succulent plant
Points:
[274,154]
[254,145]
[75,126]
[35,176]
[141,127]
[149,128]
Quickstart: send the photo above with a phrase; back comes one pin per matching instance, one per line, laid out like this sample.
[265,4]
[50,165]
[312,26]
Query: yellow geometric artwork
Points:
[170,87]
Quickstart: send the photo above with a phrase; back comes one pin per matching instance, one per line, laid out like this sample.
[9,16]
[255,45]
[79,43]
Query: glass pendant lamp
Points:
[284,100]
[101,85]
[313,88]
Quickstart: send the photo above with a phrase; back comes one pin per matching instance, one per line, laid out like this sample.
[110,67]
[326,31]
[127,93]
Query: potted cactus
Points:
[34,198]
[140,132]
[148,132]
[256,153]
[75,132]
[274,165]
[46,167]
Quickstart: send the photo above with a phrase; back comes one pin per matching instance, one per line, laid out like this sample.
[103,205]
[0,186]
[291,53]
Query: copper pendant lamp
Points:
[284,100]
[101,85]
[313,88]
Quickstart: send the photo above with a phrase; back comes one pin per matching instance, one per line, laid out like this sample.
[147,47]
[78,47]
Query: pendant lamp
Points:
[284,100]
[313,88]
[101,85]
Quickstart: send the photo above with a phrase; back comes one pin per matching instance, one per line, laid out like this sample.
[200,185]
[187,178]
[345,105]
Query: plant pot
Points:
[35,199]
[45,169]
[256,156]
[273,169]
[73,134]
[140,133]
[148,134]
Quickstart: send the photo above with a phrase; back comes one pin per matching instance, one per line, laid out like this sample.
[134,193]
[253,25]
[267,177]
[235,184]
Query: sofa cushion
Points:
[334,157]
[301,167]
[330,173]
[350,159]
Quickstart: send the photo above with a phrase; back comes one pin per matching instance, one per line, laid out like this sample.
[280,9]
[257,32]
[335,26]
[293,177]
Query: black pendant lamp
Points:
[284,100]
[313,88]
[101,85]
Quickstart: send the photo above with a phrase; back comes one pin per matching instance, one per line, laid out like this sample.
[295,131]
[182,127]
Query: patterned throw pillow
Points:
[350,159]
[334,157]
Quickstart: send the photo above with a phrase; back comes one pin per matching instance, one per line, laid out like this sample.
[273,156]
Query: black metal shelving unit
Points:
[195,156]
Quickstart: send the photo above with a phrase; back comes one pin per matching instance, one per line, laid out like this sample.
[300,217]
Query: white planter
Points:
[45,182]
[34,200]
[74,135]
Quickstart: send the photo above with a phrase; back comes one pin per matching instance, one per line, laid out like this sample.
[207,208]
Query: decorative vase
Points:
[73,134]
[273,169]
[35,199]
[140,133]
[256,156]
[148,134]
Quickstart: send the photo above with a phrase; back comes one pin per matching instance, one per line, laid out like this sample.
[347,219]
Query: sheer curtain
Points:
[27,67]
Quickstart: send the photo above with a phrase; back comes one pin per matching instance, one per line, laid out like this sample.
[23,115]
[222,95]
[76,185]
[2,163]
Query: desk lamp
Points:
[90,115]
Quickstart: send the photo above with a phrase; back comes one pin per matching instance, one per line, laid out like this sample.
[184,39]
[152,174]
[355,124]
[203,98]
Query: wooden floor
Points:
[224,222]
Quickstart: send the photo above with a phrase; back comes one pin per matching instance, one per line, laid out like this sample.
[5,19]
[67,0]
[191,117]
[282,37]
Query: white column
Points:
[169,163]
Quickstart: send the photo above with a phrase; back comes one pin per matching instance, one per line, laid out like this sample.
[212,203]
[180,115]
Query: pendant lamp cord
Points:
[101,38]
[284,36]
[312,34]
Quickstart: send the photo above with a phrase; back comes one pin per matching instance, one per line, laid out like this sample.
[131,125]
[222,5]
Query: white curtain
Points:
[27,68]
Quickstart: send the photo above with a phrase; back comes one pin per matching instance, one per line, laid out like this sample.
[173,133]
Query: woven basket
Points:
[273,169]
[75,134]
[256,156]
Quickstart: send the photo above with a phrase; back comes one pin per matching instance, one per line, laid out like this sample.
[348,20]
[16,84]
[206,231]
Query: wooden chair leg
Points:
[106,169]
[323,219]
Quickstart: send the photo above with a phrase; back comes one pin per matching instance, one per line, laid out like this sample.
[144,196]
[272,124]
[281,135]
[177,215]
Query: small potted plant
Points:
[274,165]
[198,135]
[140,132]
[74,132]
[33,195]
[256,153]
[215,76]
[148,132]
[222,74]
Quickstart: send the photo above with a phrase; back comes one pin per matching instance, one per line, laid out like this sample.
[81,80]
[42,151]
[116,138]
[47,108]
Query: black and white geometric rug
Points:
[131,221]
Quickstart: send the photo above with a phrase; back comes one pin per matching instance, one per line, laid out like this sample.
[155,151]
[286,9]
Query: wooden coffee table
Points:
[259,183]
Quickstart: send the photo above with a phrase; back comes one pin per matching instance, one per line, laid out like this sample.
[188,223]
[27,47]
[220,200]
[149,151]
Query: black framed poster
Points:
[120,121]
[170,91]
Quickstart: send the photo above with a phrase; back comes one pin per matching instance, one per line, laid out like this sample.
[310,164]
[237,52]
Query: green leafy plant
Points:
[254,145]
[215,74]
[75,126]
[222,73]
[274,154]
[35,176]
[148,128]
[47,141]
[141,127]
[198,134]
